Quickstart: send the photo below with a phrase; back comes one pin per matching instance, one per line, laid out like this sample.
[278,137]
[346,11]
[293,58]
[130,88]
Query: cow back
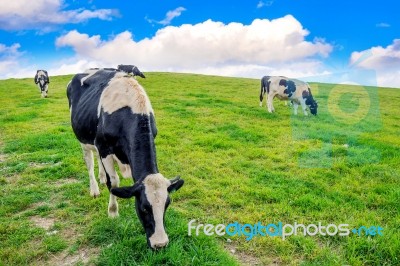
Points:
[84,97]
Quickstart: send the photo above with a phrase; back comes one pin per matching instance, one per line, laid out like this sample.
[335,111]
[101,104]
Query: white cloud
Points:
[384,60]
[13,64]
[171,15]
[9,57]
[72,66]
[382,25]
[168,17]
[207,45]
[306,68]
[264,3]
[9,50]
[379,57]
[39,14]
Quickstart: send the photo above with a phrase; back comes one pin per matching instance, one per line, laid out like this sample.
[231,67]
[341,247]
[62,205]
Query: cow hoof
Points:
[95,194]
[113,210]
[113,215]
[94,191]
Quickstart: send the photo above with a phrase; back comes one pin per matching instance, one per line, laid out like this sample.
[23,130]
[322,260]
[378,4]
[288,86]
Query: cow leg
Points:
[270,104]
[46,90]
[304,107]
[109,167]
[102,173]
[295,107]
[88,156]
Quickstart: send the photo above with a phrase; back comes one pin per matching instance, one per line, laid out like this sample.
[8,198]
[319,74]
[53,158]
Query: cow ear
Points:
[176,184]
[126,192]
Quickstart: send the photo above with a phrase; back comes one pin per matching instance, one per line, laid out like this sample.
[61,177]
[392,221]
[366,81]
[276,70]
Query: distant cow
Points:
[42,80]
[112,115]
[131,69]
[293,90]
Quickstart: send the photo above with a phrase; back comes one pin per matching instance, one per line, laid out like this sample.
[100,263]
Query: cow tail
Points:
[108,181]
[268,83]
[262,91]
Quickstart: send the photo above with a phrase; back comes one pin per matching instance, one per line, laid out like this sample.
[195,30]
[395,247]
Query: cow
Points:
[42,80]
[296,91]
[111,114]
[131,69]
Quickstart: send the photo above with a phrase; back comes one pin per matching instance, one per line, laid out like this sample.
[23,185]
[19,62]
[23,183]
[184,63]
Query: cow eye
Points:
[146,209]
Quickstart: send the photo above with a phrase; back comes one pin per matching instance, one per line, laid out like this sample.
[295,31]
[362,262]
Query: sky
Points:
[342,41]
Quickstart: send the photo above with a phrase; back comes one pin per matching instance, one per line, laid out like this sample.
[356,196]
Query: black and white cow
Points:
[42,80]
[131,69]
[112,115]
[296,91]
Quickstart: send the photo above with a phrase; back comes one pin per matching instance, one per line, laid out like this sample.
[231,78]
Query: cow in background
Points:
[111,114]
[296,91]
[131,69]
[42,80]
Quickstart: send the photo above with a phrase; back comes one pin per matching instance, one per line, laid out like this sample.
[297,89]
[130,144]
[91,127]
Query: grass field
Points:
[240,163]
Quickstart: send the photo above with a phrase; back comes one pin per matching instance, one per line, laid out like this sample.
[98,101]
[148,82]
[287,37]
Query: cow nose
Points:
[160,244]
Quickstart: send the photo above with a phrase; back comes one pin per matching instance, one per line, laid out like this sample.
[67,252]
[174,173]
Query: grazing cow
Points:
[42,80]
[131,69]
[112,115]
[293,90]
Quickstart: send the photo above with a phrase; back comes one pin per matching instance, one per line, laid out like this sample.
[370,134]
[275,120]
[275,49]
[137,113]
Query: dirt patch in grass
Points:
[43,165]
[10,179]
[43,222]
[3,158]
[83,255]
[243,258]
[66,181]
[247,259]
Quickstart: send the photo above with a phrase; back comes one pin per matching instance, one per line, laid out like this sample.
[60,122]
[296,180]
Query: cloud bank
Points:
[264,47]
[232,48]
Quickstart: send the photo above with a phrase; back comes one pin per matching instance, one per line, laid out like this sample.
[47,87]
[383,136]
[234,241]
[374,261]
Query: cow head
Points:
[137,72]
[152,200]
[42,80]
[310,102]
[313,107]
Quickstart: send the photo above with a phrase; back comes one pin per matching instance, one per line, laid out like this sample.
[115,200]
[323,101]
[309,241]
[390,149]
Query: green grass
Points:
[239,162]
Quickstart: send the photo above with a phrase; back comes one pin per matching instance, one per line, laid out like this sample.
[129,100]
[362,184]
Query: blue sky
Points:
[310,39]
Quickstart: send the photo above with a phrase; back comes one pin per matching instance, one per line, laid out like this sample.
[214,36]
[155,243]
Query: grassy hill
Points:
[240,163]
